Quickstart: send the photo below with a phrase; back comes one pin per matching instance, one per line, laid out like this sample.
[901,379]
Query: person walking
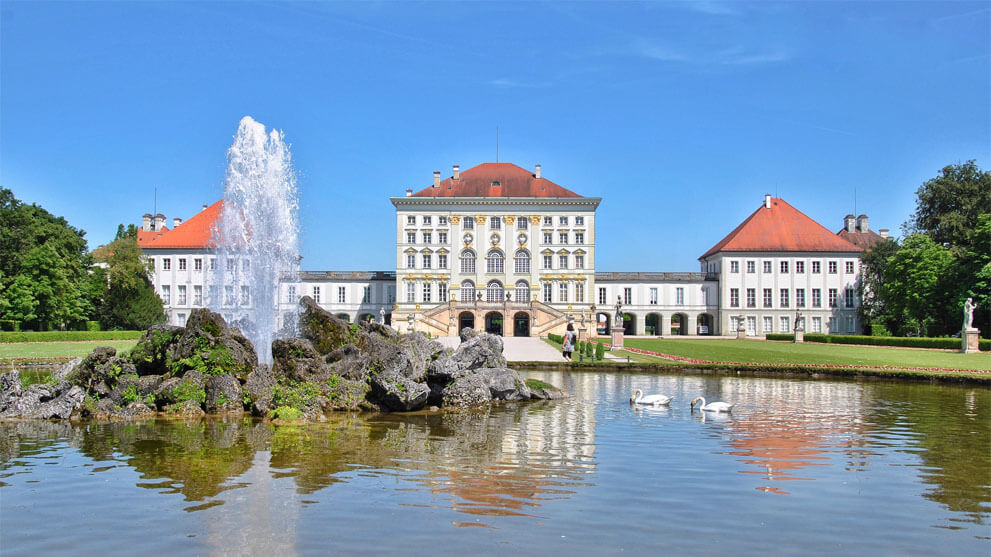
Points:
[570,339]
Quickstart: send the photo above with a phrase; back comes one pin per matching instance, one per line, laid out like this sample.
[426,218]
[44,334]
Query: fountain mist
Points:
[258,236]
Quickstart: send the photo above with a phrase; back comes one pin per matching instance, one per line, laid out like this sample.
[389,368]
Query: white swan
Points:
[652,400]
[712,406]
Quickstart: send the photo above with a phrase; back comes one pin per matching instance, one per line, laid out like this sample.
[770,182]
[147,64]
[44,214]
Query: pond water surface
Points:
[800,467]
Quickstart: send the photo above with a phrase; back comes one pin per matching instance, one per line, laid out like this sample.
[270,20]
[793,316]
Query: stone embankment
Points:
[209,367]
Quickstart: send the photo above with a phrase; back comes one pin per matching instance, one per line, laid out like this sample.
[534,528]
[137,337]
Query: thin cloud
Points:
[512,83]
[733,56]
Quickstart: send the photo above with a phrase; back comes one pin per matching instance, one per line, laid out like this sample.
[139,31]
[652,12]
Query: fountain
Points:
[257,240]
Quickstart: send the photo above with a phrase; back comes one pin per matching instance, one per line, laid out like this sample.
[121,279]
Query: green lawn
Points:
[760,351]
[59,349]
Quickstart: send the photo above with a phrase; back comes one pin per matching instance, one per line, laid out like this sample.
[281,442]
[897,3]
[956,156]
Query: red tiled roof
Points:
[512,181]
[197,232]
[863,240]
[781,228]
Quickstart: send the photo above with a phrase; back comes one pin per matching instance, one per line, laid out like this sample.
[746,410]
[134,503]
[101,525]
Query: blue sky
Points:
[681,116]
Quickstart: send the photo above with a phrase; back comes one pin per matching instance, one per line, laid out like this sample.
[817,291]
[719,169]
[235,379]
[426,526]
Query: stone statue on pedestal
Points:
[968,314]
[382,316]
[619,312]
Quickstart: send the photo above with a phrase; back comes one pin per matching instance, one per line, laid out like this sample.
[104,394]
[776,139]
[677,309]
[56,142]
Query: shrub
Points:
[58,336]
[555,338]
[600,351]
[10,325]
[781,336]
[588,350]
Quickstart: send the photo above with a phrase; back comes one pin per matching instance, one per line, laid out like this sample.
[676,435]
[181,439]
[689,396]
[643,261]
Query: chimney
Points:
[409,192]
[884,233]
[862,223]
[537,173]
[159,222]
[767,201]
[146,222]
[436,178]
[457,172]
[176,222]
[848,224]
[204,207]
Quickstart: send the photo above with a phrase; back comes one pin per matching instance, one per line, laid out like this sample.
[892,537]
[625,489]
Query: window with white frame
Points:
[548,261]
[816,298]
[521,262]
[366,294]
[768,298]
[245,295]
[410,237]
[734,266]
[468,261]
[341,294]
[198,264]
[181,295]
[784,267]
[563,221]
[799,267]
[166,294]
[494,291]
[494,262]
[229,295]
[768,324]
[579,261]
[212,294]
[562,237]
[467,291]
[734,297]
[751,297]
[411,261]
[166,264]
[441,291]
[602,296]
[442,220]
[817,324]
[751,266]
[627,296]
[427,292]
[182,263]
[213,263]
[197,295]
[468,223]
[316,294]
[579,292]
[579,221]
[441,260]
[767,266]
[426,261]
[849,295]
[521,223]
[832,297]
[548,238]
[291,295]
[495,223]
[849,267]
[441,236]
[427,219]
[522,291]
[563,261]
[411,292]
[679,296]
[783,298]
[785,324]
[653,296]
[548,221]
[816,267]
[579,237]
[751,325]
[562,289]
[832,267]
[800,297]
[411,219]
[548,293]
[849,323]
[427,237]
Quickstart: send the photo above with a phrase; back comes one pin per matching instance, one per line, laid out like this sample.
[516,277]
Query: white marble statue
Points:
[968,314]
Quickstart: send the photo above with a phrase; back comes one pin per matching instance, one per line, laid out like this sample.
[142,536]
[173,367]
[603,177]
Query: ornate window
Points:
[522,291]
[468,261]
[441,291]
[467,291]
[494,292]
[563,292]
[494,262]
[522,262]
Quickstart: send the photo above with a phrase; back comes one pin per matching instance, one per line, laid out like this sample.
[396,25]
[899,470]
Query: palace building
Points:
[503,249]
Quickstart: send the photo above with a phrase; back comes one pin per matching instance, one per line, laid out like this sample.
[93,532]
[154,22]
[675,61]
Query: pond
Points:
[799,467]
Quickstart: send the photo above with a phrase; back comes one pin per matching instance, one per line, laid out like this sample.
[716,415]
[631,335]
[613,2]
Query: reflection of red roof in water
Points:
[781,228]
[496,179]
[197,232]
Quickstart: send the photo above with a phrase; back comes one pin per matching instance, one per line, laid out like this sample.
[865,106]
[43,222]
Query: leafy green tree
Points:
[949,206]
[918,286]
[20,302]
[24,227]
[976,274]
[130,301]
[50,280]
[871,287]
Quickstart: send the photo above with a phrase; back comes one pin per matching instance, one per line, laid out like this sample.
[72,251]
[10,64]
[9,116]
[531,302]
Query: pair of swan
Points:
[712,406]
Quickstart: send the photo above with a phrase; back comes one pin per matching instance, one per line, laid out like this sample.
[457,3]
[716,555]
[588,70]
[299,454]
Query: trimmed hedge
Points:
[948,343]
[62,336]
[555,338]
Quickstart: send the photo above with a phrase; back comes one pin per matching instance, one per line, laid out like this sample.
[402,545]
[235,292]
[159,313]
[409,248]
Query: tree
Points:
[130,301]
[918,286]
[949,205]
[871,287]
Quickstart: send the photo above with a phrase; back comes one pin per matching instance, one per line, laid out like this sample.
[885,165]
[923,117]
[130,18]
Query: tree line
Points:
[50,280]
[918,286]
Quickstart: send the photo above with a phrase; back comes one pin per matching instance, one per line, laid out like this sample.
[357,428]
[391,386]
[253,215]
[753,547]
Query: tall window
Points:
[816,298]
[427,292]
[366,293]
[602,296]
[291,296]
[768,324]
[181,295]
[579,292]
[522,262]
[783,298]
[494,262]
[494,292]
[213,263]
[212,294]
[316,294]
[817,324]
[182,263]
[579,262]
[734,266]
[679,296]
[548,292]
[231,265]
[245,295]
[441,260]
[784,267]
[627,296]
[411,261]
[468,262]
[441,291]
[563,237]
[849,267]
[427,237]
[522,291]
[734,298]
[341,294]
[848,297]
[767,266]
[562,292]
[832,298]
[442,237]
[785,324]
[548,261]
[426,261]
[768,298]
[800,297]
[167,264]
[228,295]
[166,294]
[816,267]
[653,296]
[563,260]
[197,295]
[468,223]
[579,237]
[548,238]
[800,267]
[751,297]
[411,292]
[410,237]
[751,266]
[467,291]
[832,267]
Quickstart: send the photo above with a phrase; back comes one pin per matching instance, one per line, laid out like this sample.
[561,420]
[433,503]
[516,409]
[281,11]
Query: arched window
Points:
[468,261]
[494,292]
[522,291]
[467,291]
[494,262]
[522,261]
